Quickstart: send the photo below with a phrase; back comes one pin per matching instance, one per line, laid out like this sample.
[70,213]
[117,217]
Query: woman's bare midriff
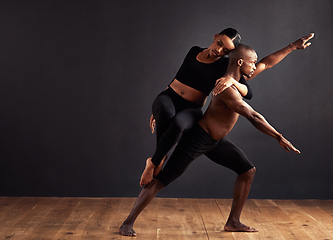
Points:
[188,93]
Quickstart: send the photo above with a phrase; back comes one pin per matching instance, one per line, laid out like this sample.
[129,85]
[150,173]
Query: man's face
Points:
[249,64]
[221,46]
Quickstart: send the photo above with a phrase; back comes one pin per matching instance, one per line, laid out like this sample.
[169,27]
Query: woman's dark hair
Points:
[233,35]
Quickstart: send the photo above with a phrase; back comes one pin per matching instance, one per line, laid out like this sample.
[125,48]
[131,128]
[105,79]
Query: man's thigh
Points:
[230,156]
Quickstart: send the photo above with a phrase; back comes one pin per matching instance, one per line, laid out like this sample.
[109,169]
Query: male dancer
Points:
[265,63]
[208,137]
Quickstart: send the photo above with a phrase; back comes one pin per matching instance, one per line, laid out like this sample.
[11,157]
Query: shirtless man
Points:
[208,137]
[154,165]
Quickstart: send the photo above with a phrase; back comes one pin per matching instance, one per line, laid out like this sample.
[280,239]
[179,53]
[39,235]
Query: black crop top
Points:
[203,76]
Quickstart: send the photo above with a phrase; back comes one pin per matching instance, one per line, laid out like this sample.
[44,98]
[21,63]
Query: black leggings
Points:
[197,142]
[174,115]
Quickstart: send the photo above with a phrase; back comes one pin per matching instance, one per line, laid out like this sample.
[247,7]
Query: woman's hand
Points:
[302,43]
[222,84]
[152,123]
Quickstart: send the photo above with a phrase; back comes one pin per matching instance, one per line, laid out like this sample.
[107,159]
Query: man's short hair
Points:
[239,52]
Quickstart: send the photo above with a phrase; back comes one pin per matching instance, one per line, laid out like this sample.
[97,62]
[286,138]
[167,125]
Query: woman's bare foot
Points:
[127,230]
[159,167]
[238,227]
[148,173]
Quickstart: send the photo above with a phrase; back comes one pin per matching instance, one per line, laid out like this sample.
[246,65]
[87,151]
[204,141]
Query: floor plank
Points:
[164,219]
[214,220]
[282,225]
[303,221]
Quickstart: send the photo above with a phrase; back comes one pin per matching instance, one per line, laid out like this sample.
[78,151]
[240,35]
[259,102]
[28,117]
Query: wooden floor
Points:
[165,218]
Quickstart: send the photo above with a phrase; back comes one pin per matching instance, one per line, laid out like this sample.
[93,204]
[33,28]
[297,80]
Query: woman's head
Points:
[233,35]
[224,42]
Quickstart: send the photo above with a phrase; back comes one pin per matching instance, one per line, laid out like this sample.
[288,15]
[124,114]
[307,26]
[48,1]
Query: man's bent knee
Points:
[249,175]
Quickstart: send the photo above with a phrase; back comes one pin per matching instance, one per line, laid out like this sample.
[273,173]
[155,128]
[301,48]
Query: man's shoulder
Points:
[229,97]
[231,92]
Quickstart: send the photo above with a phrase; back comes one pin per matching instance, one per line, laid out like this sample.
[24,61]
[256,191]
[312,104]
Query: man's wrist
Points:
[291,47]
[279,136]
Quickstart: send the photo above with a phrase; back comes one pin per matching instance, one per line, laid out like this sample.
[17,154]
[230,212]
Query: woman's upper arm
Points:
[249,94]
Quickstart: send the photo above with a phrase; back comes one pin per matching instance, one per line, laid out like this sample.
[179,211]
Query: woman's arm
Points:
[274,58]
[249,94]
[152,123]
[242,86]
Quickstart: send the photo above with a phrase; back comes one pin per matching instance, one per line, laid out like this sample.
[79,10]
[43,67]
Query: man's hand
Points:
[152,123]
[302,43]
[221,85]
[287,145]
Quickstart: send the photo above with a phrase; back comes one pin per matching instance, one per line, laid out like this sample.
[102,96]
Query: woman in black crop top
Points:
[178,108]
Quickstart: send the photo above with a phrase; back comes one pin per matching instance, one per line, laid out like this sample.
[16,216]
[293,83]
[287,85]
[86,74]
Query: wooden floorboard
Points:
[164,219]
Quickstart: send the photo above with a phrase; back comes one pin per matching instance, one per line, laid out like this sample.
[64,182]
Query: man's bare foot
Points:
[147,175]
[127,230]
[159,167]
[238,227]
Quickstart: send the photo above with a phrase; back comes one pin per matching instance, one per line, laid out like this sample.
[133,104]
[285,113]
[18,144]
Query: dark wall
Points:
[78,79]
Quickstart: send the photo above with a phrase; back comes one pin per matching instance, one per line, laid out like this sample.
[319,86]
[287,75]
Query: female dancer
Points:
[177,109]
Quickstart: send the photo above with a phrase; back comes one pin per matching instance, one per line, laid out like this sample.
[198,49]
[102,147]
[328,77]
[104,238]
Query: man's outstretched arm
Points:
[236,103]
[276,57]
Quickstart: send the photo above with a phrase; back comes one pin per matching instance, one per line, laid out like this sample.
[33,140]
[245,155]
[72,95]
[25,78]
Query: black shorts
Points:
[196,142]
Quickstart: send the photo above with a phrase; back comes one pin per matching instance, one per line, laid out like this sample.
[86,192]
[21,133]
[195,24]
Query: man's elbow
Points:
[265,64]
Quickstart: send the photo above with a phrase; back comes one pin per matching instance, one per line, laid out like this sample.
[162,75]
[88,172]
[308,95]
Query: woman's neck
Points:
[205,57]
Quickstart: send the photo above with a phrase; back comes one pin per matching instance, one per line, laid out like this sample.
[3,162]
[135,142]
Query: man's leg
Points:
[241,191]
[145,197]
[175,166]
[229,155]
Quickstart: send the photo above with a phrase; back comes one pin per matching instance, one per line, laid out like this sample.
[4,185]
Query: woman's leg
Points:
[163,111]
[181,122]
[229,155]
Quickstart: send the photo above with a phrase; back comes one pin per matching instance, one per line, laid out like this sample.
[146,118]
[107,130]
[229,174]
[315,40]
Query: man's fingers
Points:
[306,45]
[294,149]
[288,146]
[308,37]
[304,41]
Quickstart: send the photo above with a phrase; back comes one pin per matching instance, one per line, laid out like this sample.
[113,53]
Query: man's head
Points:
[245,58]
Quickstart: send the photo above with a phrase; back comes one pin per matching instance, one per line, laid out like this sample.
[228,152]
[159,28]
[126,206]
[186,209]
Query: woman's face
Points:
[221,46]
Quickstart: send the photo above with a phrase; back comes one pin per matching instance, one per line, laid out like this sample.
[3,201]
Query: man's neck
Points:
[233,72]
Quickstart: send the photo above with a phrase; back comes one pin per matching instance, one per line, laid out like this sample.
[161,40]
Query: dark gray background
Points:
[78,79]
